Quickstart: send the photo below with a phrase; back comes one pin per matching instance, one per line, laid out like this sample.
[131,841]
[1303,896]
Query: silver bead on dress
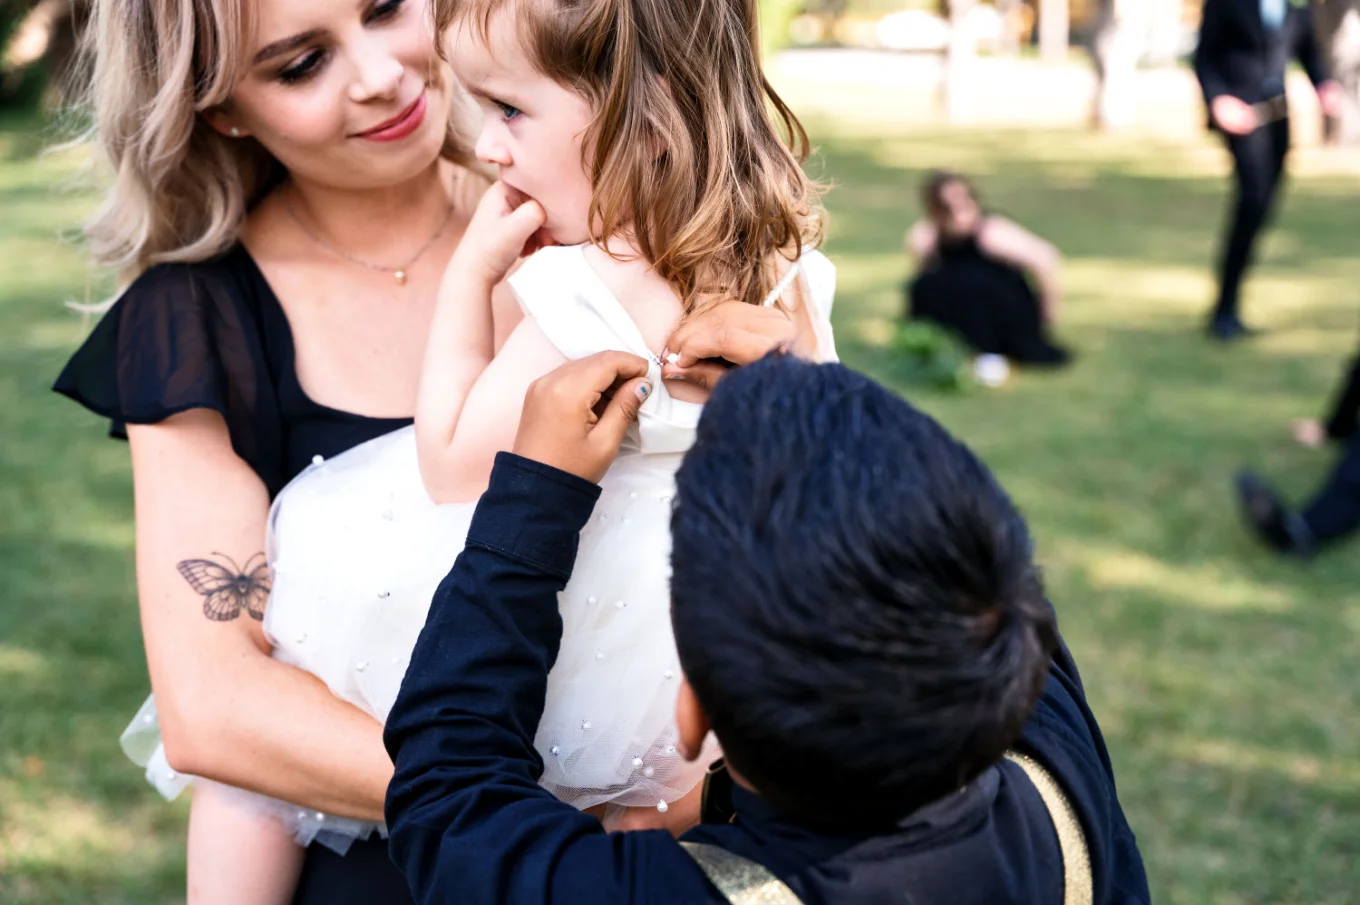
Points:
[361,665]
[585,724]
[662,806]
[318,459]
[637,761]
[649,772]
[554,750]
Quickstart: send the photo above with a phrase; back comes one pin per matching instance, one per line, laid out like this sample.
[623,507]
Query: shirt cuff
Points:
[534,513]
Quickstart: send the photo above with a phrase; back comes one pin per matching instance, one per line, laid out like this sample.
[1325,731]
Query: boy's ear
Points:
[691,722]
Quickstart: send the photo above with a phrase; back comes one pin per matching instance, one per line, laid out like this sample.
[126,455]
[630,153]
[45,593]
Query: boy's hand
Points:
[575,417]
[507,225]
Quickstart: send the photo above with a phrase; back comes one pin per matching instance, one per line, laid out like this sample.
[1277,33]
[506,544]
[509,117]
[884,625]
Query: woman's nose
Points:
[377,73]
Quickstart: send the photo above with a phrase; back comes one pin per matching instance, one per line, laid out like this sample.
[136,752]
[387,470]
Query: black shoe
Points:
[1227,328]
[1277,526]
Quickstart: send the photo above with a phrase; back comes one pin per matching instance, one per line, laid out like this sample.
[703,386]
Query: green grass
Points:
[1224,679]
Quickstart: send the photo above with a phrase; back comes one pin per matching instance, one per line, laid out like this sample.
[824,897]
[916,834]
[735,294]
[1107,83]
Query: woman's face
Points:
[344,94]
[961,211]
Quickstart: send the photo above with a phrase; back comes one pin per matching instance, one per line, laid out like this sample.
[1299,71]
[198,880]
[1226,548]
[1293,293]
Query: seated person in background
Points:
[974,275]
[1334,511]
[859,621]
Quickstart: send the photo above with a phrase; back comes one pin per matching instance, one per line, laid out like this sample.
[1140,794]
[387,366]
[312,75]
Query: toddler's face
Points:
[532,127]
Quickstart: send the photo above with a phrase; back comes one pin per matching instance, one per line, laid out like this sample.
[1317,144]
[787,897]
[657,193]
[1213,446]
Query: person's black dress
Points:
[213,335]
[987,302]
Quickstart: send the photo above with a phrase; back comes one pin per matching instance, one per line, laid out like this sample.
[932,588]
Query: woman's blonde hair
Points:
[180,190]
[684,153]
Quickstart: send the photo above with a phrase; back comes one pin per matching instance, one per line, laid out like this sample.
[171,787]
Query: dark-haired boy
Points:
[860,623]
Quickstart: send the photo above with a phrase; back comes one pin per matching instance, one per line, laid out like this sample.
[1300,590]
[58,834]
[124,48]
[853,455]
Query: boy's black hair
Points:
[854,598]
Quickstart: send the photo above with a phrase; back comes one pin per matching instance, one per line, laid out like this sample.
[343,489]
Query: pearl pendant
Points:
[401,277]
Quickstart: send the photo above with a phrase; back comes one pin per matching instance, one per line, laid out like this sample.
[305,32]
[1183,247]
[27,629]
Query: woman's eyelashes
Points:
[309,63]
[386,10]
[304,68]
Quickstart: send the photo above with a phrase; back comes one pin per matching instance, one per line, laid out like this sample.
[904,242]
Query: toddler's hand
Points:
[507,225]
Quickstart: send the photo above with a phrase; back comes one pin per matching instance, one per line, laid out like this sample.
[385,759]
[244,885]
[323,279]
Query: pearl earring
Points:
[235,132]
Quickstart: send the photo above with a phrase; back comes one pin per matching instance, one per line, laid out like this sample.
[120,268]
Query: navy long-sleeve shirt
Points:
[469,822]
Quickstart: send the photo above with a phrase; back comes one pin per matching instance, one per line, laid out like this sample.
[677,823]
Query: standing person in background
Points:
[1244,47]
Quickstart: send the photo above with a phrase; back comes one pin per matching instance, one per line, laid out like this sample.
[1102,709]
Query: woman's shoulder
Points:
[229,278]
[182,336]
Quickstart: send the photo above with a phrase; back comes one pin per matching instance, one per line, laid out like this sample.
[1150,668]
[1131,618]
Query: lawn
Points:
[1224,679]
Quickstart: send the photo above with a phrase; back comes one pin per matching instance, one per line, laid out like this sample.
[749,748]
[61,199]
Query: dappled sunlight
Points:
[1201,586]
[45,832]
[20,662]
[1117,292]
[1336,774]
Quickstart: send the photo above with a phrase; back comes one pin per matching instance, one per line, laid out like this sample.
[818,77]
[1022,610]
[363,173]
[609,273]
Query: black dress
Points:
[213,335]
[987,302]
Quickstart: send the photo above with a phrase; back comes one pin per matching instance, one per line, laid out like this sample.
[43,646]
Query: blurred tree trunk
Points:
[960,63]
[1054,29]
[1010,12]
[1338,30]
[38,39]
[1120,33]
[1163,43]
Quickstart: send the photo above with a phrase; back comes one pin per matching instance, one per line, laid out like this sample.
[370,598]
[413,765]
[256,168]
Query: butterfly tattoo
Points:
[227,591]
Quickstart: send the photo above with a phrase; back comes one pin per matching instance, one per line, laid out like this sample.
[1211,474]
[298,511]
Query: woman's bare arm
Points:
[919,242]
[1007,241]
[229,712]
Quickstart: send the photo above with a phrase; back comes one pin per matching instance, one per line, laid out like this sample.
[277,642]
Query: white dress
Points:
[357,549]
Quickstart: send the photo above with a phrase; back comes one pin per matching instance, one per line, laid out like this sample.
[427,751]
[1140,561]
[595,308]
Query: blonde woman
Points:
[288,187]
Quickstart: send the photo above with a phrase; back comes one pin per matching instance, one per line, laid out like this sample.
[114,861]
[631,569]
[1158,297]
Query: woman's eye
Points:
[385,10]
[302,69]
[507,111]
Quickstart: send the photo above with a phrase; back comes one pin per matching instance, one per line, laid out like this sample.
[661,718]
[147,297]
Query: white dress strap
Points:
[817,278]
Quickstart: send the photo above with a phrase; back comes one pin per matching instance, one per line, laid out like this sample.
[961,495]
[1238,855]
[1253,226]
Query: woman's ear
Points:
[219,120]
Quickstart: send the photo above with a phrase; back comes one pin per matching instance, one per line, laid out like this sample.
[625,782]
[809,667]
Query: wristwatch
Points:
[715,806]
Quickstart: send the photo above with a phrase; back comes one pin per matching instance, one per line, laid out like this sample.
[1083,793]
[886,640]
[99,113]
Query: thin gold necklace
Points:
[398,272]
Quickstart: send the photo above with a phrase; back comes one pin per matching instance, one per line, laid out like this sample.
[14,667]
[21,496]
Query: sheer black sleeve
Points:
[184,336]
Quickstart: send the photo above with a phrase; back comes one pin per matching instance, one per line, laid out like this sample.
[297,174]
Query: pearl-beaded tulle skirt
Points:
[357,550]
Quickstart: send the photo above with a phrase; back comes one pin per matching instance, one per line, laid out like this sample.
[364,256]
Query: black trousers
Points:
[1258,168]
[1335,511]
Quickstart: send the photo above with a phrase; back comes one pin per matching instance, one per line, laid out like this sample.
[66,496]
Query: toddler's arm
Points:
[466,408]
